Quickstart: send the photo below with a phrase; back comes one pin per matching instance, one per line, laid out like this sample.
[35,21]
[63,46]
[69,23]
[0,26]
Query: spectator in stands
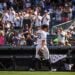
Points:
[2,39]
[21,19]
[61,36]
[29,40]
[1,25]
[47,4]
[27,18]
[16,39]
[22,41]
[19,4]
[70,13]
[17,22]
[51,43]
[71,29]
[27,3]
[37,20]
[5,17]
[9,37]
[40,11]
[37,2]
[26,30]
[68,35]
[1,6]
[65,14]
[67,43]
[10,3]
[56,41]
[8,26]
[11,15]
[73,11]
[46,18]
[58,15]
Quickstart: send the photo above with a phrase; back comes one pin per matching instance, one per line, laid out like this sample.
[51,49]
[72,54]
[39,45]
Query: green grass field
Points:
[35,73]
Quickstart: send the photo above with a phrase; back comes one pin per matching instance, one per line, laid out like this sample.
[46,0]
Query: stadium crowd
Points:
[20,19]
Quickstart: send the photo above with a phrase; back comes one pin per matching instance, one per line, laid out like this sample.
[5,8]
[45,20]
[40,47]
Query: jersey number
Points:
[39,35]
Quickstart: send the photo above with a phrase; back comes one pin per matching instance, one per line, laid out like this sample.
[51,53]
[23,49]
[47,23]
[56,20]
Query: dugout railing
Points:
[21,58]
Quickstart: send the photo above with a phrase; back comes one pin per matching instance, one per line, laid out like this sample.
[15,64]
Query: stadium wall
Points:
[21,58]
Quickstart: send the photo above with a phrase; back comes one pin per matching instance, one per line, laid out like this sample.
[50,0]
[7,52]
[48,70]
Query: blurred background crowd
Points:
[20,19]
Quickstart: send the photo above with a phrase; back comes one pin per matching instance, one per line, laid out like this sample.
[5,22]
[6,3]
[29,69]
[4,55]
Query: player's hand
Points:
[40,52]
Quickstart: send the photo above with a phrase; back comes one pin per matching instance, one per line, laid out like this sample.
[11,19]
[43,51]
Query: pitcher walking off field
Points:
[42,52]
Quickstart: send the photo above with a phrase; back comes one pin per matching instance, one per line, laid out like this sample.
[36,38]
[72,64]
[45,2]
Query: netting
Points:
[64,25]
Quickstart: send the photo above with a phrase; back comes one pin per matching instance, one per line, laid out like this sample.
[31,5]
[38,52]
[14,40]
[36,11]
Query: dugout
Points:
[21,58]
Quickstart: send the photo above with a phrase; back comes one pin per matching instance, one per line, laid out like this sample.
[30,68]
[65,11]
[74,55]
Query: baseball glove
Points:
[40,52]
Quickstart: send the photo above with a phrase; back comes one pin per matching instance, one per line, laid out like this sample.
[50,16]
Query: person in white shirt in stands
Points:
[46,19]
[17,22]
[58,15]
[61,36]
[70,13]
[5,17]
[42,46]
[37,19]
[11,14]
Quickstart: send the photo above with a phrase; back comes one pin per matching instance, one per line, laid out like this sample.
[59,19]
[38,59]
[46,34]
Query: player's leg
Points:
[46,58]
[37,59]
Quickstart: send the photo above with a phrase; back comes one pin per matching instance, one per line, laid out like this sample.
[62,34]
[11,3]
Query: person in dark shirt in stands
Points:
[26,30]
[29,40]
[1,25]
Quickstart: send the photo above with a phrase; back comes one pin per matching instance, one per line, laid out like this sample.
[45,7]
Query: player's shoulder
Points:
[44,33]
[41,31]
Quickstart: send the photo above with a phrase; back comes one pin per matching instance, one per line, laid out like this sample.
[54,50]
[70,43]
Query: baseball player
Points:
[42,52]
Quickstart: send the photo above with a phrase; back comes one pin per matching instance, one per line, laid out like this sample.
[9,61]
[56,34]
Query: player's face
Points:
[46,29]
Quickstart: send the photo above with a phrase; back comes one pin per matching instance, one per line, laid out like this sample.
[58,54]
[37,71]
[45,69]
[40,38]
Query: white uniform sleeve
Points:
[43,36]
